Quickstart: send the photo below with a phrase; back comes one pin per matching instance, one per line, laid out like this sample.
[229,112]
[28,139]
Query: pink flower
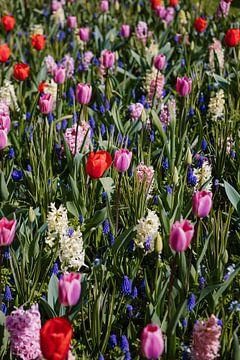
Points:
[108,58]
[142,31]
[181,235]
[46,103]
[160,61]
[70,136]
[122,160]
[156,87]
[7,231]
[206,339]
[5,122]
[104,6]
[152,343]
[223,9]
[68,63]
[59,75]
[168,112]
[84,34]
[72,22]
[202,203]
[56,5]
[87,57]
[184,86]
[84,93]
[3,139]
[50,64]
[145,173]
[136,110]
[126,31]
[69,289]
[24,329]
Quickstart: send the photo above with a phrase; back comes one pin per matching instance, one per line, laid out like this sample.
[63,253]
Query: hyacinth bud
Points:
[192,45]
[189,156]
[31,215]
[175,176]
[117,5]
[158,244]
[143,116]
[225,257]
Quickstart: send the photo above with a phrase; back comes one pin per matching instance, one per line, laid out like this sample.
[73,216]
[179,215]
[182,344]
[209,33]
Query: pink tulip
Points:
[84,34]
[152,343]
[5,122]
[72,22]
[202,203]
[108,58]
[84,93]
[46,103]
[3,139]
[56,5]
[184,86]
[181,235]
[160,61]
[69,289]
[104,6]
[126,31]
[59,74]
[122,160]
[7,231]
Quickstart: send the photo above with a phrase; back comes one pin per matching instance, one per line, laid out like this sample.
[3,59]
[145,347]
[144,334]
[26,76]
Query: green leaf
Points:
[96,220]
[226,284]
[53,291]
[236,347]
[173,323]
[233,196]
[4,193]
[71,207]
[108,185]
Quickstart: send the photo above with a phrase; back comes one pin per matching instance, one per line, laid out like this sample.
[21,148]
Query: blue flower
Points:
[6,253]
[111,239]
[50,118]
[11,153]
[55,269]
[17,175]
[191,302]
[201,283]
[126,287]
[92,122]
[165,163]
[106,227]
[184,322]
[134,293]
[7,294]
[191,178]
[102,129]
[112,341]
[80,218]
[147,244]
[127,356]
[101,357]
[191,112]
[129,310]
[124,344]
[152,136]
[4,308]
[204,145]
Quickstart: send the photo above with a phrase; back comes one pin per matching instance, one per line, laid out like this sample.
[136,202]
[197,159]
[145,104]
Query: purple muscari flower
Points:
[4,308]
[204,145]
[131,246]
[156,200]
[142,100]
[17,175]
[191,112]
[55,269]
[50,118]
[130,172]
[80,218]
[147,244]
[201,283]
[29,168]
[134,293]
[104,196]
[232,154]
[111,129]
[165,164]
[112,341]
[101,357]
[11,153]
[126,287]
[129,310]
[152,136]
[7,294]
[96,61]
[64,124]
[106,227]
[127,356]
[191,302]
[200,160]
[107,104]
[92,123]
[182,62]
[120,63]
[184,322]
[28,116]
[6,253]
[102,129]
[102,109]
[111,239]
[191,179]
[216,183]
[220,322]
[119,139]
[203,108]
[58,127]
[168,189]
[124,344]
[133,93]
[201,98]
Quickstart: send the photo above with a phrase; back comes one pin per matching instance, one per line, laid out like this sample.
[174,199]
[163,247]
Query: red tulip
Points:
[5,52]
[55,338]
[8,22]
[173,3]
[200,24]
[38,42]
[21,71]
[232,37]
[98,163]
[156,4]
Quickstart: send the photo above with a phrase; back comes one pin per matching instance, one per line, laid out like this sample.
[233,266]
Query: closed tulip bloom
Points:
[156,4]
[200,24]
[3,139]
[98,163]
[232,37]
[46,103]
[59,74]
[122,160]
[8,22]
[7,230]
[125,31]
[84,34]
[173,3]
[160,61]
[55,338]
[202,203]
[152,343]
[108,58]
[38,42]
[69,289]
[181,235]
[72,22]
[21,71]
[104,6]
[84,93]
[5,53]
[184,86]
[5,122]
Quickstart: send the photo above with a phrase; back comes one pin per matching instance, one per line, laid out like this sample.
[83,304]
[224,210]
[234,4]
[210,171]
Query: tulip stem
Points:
[171,281]
[118,201]
[78,123]
[1,263]
[155,89]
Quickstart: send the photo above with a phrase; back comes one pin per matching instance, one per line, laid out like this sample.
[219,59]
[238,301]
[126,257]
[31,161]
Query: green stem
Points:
[118,201]
[1,287]
[78,123]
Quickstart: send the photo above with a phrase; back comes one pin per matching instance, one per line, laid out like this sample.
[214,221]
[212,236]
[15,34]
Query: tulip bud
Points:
[122,160]
[125,31]
[225,257]
[143,116]
[7,231]
[202,203]
[46,103]
[160,62]
[108,58]
[189,156]
[158,244]
[84,93]
[152,343]
[175,176]
[184,86]
[181,235]
[31,215]
[59,74]
[69,289]
[84,34]
[72,22]
[117,5]
[104,6]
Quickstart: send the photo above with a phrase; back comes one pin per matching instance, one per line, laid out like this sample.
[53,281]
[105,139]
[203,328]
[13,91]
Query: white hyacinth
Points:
[216,105]
[204,176]
[147,231]
[36,29]
[7,94]
[57,224]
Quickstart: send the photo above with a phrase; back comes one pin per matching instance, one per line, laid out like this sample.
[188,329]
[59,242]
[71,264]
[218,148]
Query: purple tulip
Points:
[84,93]
[108,58]
[202,203]
[160,61]
[126,31]
[122,160]
[46,103]
[7,231]
[84,34]
[152,343]
[181,235]
[59,74]
[69,289]
[72,22]
[184,86]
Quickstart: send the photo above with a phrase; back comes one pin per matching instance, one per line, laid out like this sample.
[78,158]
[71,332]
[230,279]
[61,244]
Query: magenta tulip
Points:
[69,289]
[84,93]
[202,203]
[84,34]
[5,122]
[108,58]
[122,160]
[7,231]
[59,74]
[104,6]
[160,61]
[46,103]
[181,235]
[152,342]
[72,22]
[184,86]
[3,139]
[126,31]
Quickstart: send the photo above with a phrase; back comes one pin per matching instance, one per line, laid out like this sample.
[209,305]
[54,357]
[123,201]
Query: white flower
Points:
[204,176]
[36,29]
[147,231]
[57,221]
[59,17]
[51,88]
[216,105]
[7,94]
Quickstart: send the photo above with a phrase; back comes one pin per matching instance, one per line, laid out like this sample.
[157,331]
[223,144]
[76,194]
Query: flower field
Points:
[119,180]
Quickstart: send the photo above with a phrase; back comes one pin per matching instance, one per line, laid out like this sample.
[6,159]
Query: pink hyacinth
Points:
[24,328]
[206,339]
[223,9]
[145,173]
[136,110]
[166,14]
[142,31]
[70,136]
[50,64]
[156,87]
[68,64]
[168,112]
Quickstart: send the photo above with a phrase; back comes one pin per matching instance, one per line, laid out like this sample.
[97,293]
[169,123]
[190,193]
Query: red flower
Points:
[8,22]
[55,338]
[42,86]
[156,4]
[21,71]
[98,163]
[173,3]
[200,24]
[5,52]
[232,37]
[38,42]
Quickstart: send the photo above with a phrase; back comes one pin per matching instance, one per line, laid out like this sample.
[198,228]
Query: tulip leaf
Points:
[4,190]
[53,291]
[233,196]
[108,185]
[236,347]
